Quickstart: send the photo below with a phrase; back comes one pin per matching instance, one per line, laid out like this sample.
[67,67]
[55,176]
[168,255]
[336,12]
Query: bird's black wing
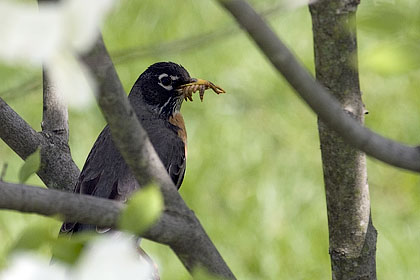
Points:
[105,173]
[169,146]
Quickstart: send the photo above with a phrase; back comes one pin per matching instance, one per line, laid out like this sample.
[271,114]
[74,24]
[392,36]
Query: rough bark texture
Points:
[351,233]
[54,114]
[57,171]
[68,206]
[16,132]
[55,130]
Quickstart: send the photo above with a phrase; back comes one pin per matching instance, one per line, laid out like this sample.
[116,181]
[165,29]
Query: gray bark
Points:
[57,171]
[68,206]
[55,116]
[170,229]
[351,232]
[55,130]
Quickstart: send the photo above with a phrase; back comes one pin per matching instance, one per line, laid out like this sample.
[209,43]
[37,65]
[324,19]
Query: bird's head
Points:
[164,85]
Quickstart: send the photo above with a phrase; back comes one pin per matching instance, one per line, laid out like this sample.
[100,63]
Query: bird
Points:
[156,98]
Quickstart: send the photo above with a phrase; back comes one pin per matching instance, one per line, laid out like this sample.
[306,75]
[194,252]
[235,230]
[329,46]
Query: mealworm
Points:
[188,89]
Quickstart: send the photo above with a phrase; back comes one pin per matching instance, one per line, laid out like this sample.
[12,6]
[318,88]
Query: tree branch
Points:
[54,114]
[193,247]
[87,209]
[191,244]
[189,241]
[179,229]
[16,132]
[57,169]
[352,235]
[68,206]
[316,96]
[172,229]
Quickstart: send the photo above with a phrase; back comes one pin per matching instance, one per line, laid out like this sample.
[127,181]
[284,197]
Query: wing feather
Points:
[105,173]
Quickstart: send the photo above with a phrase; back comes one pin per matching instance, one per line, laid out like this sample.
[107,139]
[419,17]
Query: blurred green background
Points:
[254,175]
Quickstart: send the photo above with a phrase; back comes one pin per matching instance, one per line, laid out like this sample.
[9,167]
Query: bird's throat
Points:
[170,107]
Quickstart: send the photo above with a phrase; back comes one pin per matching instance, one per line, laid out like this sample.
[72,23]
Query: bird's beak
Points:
[186,90]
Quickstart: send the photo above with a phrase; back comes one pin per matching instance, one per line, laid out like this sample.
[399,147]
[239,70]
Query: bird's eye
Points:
[166,81]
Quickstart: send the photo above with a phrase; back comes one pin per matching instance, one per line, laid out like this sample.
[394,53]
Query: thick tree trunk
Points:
[352,235]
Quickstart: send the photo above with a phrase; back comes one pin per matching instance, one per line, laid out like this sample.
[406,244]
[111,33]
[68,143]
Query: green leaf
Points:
[33,238]
[143,209]
[66,250]
[31,166]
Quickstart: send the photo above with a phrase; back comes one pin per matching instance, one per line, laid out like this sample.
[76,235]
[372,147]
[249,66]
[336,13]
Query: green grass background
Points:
[254,174]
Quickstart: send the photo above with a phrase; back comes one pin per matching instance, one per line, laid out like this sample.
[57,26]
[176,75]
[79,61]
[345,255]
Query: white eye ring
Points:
[168,87]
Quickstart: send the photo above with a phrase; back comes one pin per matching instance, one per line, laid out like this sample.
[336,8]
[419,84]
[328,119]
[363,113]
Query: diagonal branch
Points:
[182,230]
[316,96]
[16,132]
[179,229]
[193,247]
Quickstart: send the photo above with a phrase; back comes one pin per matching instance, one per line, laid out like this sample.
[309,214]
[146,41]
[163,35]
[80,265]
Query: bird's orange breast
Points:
[177,120]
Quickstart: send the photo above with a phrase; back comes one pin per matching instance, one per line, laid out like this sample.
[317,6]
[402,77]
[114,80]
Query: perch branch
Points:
[82,208]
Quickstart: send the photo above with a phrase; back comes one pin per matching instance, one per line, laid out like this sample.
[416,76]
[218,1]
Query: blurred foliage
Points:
[35,237]
[42,237]
[31,166]
[143,209]
[254,174]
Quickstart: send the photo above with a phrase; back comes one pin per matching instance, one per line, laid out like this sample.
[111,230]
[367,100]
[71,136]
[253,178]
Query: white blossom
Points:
[114,257]
[54,35]
[29,266]
[108,257]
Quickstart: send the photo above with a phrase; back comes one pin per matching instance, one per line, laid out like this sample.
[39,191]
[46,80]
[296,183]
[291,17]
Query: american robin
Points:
[156,98]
